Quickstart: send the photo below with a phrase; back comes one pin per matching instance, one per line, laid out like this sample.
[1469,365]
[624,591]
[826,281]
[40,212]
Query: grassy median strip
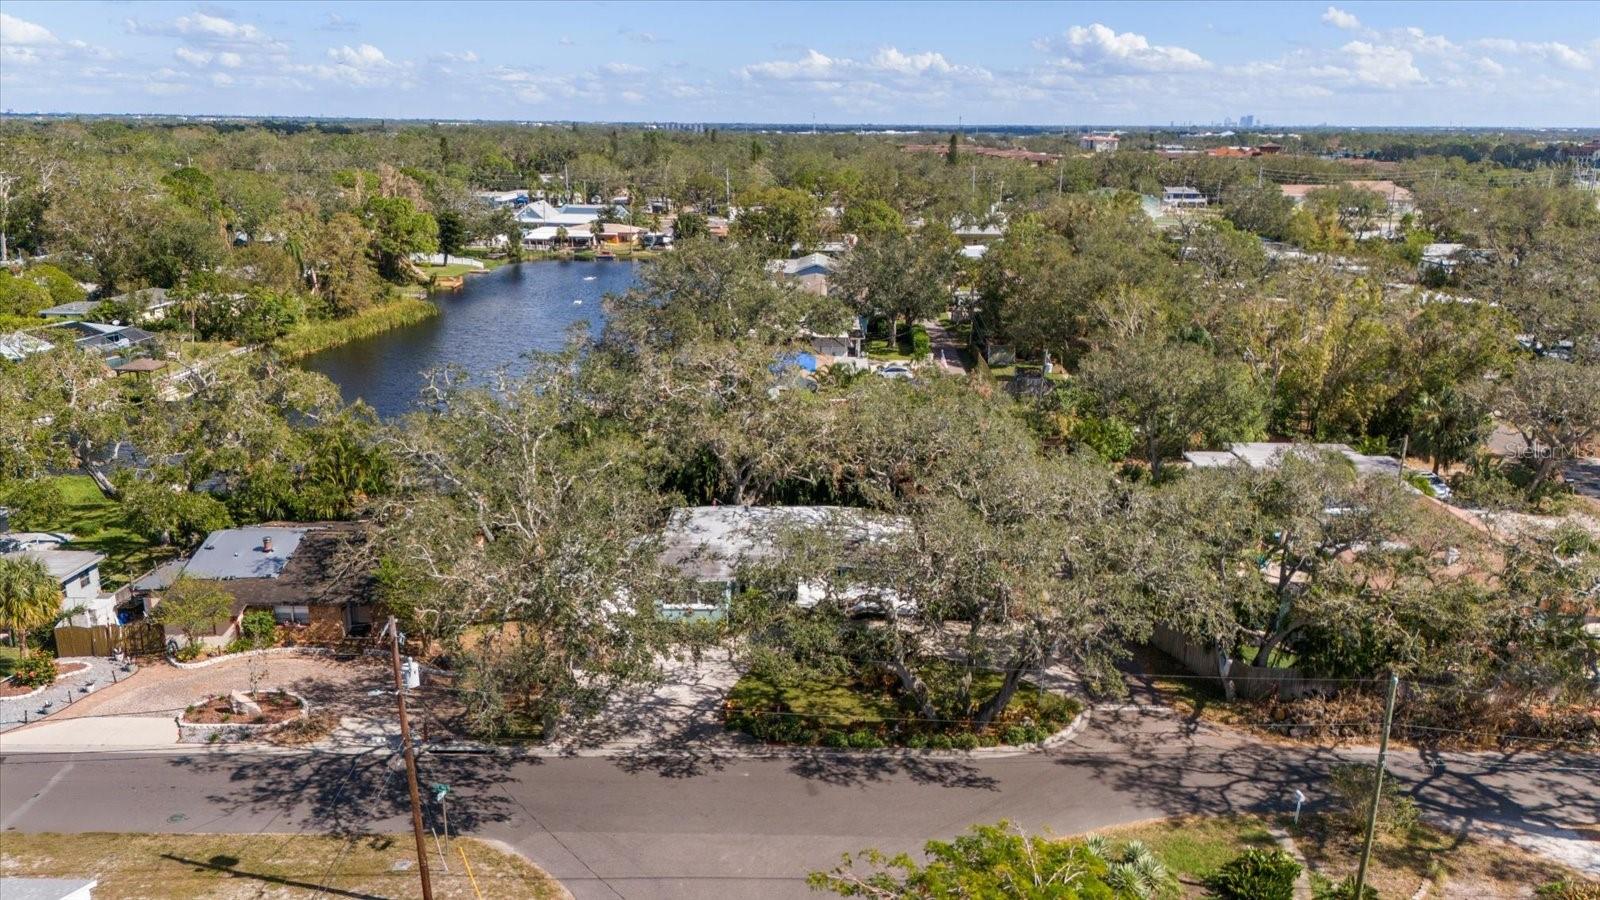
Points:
[229,866]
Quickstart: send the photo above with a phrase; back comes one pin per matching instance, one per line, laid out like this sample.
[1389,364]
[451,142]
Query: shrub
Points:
[189,652]
[1323,889]
[1256,875]
[238,645]
[940,742]
[921,346]
[1352,788]
[837,739]
[34,671]
[259,628]
[966,740]
[865,740]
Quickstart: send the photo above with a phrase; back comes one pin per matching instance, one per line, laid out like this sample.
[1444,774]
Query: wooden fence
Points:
[135,639]
[1247,680]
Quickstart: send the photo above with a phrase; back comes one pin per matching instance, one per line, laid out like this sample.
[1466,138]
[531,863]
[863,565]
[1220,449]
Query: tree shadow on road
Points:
[356,793]
[856,769]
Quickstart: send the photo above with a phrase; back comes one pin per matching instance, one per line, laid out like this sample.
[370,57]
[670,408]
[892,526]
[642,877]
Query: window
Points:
[84,581]
[290,614]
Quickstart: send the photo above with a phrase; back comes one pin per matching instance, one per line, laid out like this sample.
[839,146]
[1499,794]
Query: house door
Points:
[357,619]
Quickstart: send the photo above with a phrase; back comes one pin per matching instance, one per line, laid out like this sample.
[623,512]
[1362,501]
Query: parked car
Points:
[895,370]
[1440,489]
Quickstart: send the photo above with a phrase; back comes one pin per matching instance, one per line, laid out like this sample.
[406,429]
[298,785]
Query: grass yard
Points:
[1194,847]
[229,866]
[867,710]
[8,660]
[97,522]
[309,337]
[450,271]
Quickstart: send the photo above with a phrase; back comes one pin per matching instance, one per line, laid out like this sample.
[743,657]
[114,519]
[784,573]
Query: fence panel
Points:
[135,639]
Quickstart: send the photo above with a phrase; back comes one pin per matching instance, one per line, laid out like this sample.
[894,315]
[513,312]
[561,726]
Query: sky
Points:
[1080,63]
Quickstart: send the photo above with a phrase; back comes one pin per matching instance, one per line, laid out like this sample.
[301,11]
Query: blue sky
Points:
[1352,63]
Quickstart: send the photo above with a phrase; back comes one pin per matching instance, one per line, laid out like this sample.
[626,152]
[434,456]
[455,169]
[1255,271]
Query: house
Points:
[1099,143]
[77,309]
[152,303]
[618,233]
[503,198]
[810,264]
[974,251]
[19,345]
[710,546]
[1266,455]
[78,571]
[1399,199]
[1444,259]
[547,237]
[1182,197]
[295,572]
[542,213]
[118,343]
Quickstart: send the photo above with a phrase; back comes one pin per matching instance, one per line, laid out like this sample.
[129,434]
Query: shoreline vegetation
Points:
[318,336]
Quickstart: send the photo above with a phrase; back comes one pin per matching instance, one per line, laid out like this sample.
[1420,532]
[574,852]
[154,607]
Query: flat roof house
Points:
[1099,143]
[710,545]
[1182,197]
[78,571]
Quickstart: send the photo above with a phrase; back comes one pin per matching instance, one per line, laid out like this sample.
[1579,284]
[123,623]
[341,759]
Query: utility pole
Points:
[393,629]
[1377,784]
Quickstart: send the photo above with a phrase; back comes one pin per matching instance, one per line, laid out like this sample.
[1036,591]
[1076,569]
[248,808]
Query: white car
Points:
[895,370]
[1441,490]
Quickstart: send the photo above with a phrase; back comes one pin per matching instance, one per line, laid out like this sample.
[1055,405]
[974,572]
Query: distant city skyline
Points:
[1379,64]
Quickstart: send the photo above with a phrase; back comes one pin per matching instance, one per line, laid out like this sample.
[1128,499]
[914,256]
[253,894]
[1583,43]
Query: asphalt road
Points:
[688,826]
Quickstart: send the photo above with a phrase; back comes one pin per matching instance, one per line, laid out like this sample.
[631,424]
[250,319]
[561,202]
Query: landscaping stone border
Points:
[265,651]
[229,732]
[42,702]
[63,676]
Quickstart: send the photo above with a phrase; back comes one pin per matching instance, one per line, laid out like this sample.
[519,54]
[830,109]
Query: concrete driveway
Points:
[138,711]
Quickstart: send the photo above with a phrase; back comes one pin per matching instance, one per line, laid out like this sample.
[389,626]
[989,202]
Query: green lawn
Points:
[8,660]
[1195,847]
[99,525]
[867,709]
[451,270]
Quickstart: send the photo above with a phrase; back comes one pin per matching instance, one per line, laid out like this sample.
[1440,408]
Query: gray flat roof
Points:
[710,543]
[75,308]
[239,553]
[62,564]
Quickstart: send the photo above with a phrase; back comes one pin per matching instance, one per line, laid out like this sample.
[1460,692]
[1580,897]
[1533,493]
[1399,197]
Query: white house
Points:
[78,571]
[1099,143]
[1183,197]
[710,545]
[810,264]
[1267,455]
[19,345]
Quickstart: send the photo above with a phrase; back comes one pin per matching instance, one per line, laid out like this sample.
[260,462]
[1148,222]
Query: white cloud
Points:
[1097,47]
[887,63]
[219,30]
[230,60]
[364,56]
[1490,67]
[620,68]
[466,56]
[192,57]
[221,79]
[890,59]
[1380,65]
[1338,18]
[1547,51]
[22,56]
[17,32]
[566,41]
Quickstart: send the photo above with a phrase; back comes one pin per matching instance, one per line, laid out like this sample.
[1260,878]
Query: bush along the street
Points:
[1256,875]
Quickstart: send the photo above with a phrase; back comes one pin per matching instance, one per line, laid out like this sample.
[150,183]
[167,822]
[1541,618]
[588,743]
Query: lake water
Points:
[492,321]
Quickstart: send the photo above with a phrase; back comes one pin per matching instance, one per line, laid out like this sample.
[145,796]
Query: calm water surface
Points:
[490,322]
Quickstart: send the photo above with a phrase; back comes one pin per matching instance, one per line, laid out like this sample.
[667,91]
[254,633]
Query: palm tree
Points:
[29,596]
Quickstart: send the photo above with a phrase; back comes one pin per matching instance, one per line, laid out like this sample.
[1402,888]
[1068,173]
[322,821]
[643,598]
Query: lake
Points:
[490,322]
